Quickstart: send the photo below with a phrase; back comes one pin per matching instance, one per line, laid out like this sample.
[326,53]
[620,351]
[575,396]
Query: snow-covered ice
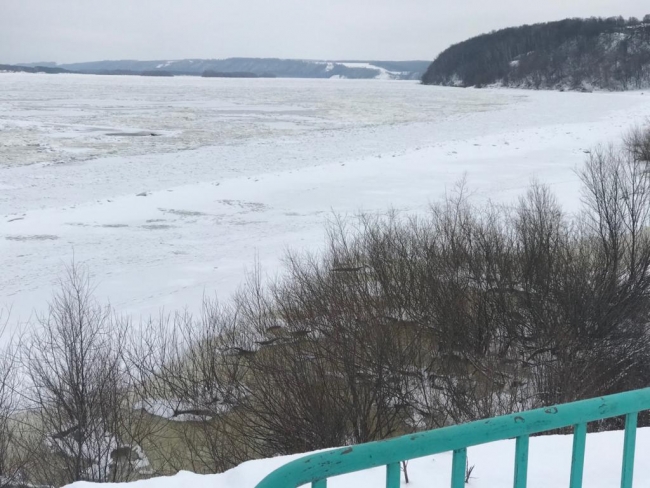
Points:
[549,466]
[240,169]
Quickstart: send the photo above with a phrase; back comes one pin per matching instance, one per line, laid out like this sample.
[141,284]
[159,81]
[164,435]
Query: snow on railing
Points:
[317,468]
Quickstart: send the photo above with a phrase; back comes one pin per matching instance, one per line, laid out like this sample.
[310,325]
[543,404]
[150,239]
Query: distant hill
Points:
[261,67]
[574,54]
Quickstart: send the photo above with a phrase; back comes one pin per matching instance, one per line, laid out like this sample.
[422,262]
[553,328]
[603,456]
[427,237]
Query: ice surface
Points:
[71,118]
[246,168]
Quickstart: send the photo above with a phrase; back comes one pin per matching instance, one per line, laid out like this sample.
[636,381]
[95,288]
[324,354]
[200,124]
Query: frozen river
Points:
[72,118]
[168,188]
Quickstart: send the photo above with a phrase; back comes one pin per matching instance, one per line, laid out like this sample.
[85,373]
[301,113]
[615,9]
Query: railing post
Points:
[578,456]
[392,475]
[458,466]
[319,483]
[521,462]
[629,445]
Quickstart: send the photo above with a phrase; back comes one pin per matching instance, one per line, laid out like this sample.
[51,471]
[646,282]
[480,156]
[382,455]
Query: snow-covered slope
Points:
[383,74]
[246,168]
[549,467]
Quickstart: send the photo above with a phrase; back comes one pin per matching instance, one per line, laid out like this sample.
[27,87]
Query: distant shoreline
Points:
[236,68]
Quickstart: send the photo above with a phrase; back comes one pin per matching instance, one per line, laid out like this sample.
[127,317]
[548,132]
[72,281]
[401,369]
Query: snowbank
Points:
[549,466]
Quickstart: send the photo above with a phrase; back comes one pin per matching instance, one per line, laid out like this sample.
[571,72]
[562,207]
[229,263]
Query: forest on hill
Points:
[10,68]
[573,54]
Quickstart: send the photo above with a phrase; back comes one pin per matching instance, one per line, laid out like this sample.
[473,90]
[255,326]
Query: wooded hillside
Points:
[576,54]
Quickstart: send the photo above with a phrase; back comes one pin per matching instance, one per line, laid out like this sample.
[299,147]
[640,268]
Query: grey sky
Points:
[87,30]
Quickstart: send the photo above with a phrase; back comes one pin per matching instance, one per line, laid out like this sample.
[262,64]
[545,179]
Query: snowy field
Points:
[549,467]
[239,169]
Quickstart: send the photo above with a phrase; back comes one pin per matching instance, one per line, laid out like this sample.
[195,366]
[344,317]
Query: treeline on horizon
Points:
[580,54]
[154,73]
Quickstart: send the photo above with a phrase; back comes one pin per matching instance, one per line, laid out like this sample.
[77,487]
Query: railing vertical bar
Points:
[629,445]
[458,466]
[521,462]
[578,456]
[392,475]
[319,483]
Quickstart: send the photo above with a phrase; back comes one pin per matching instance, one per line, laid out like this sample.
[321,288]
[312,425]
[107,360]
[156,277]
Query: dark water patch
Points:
[37,237]
[142,133]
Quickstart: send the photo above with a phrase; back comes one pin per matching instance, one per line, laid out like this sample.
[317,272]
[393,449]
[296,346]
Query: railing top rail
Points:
[365,456]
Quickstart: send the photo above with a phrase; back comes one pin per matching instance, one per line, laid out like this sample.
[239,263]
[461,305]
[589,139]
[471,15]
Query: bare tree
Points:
[80,391]
[13,456]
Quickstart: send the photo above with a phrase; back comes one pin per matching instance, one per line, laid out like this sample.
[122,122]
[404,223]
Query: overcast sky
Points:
[86,30]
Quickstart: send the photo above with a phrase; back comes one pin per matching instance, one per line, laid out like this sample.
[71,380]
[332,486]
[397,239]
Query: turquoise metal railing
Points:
[315,469]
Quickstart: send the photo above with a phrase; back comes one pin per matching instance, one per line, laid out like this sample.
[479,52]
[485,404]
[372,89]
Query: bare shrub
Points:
[190,381]
[411,323]
[402,323]
[637,144]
